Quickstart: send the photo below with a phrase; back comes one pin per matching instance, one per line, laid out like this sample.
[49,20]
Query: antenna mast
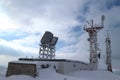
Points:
[108,53]
[92,30]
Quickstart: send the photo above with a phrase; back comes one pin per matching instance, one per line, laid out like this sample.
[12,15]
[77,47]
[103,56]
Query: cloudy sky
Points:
[23,22]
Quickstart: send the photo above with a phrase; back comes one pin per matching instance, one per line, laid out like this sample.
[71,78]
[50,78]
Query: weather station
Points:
[46,58]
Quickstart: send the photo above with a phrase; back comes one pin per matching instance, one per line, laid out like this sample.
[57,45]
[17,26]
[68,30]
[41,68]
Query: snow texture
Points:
[50,74]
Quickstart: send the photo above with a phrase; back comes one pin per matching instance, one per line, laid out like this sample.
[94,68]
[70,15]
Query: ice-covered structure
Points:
[29,66]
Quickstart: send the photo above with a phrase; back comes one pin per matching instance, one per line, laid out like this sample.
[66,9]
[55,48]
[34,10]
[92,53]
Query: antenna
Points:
[92,31]
[92,23]
[47,46]
[102,20]
[47,37]
[108,53]
[107,33]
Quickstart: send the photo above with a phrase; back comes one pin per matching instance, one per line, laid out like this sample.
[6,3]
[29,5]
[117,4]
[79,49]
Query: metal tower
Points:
[108,53]
[47,46]
[92,31]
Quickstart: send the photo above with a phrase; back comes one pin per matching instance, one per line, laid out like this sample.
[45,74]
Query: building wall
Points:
[60,67]
[21,69]
[92,66]
[32,67]
[67,67]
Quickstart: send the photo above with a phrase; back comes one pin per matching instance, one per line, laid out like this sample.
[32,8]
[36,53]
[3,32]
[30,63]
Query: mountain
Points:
[2,70]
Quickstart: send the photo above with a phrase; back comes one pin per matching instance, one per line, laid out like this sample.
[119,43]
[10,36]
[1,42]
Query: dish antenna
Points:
[47,46]
[54,41]
[47,37]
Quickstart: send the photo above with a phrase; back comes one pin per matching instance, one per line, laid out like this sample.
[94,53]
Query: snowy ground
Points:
[50,74]
[95,75]
[2,71]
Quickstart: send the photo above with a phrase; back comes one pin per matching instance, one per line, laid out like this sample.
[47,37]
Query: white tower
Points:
[108,53]
[47,46]
[92,31]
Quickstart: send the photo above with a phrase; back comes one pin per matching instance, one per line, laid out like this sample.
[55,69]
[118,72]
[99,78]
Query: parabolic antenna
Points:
[54,41]
[47,37]
[47,47]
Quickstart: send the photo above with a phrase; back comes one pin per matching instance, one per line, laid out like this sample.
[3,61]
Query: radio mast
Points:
[92,30]
[108,53]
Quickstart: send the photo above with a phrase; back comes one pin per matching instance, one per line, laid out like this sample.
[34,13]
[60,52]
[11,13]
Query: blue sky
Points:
[23,22]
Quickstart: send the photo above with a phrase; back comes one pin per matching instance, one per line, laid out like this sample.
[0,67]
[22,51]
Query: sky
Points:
[23,22]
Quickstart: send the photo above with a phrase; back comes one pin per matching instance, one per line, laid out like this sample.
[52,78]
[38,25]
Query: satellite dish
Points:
[54,41]
[47,37]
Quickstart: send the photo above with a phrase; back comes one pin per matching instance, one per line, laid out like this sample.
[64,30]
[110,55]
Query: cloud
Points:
[5,59]
[6,22]
[32,40]
[45,15]
[15,50]
[115,43]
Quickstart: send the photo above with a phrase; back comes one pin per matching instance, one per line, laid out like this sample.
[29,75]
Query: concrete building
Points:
[21,69]
[31,67]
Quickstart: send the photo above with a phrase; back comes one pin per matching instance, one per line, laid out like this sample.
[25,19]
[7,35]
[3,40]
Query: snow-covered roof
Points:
[50,60]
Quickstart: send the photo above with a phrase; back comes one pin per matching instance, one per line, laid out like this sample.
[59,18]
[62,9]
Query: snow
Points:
[95,75]
[34,62]
[116,71]
[50,74]
[2,70]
